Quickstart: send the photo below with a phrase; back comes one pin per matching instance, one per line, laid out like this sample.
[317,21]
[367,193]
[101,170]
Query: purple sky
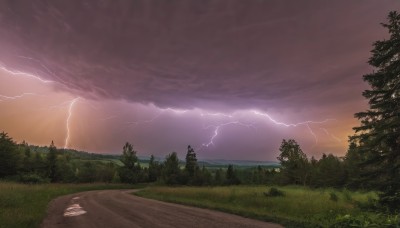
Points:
[165,74]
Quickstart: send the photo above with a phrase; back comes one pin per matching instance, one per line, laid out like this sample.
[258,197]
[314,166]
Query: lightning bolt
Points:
[172,110]
[24,74]
[4,97]
[218,127]
[331,135]
[231,117]
[312,133]
[235,121]
[71,105]
[290,124]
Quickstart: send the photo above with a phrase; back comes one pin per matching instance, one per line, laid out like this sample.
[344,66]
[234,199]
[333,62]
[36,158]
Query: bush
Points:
[333,197]
[347,195]
[274,192]
[33,178]
[377,220]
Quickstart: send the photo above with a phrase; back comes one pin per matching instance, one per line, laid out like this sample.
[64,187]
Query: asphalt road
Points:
[119,208]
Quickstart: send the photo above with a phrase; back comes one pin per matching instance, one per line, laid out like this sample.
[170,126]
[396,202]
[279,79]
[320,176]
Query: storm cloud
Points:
[132,63]
[186,54]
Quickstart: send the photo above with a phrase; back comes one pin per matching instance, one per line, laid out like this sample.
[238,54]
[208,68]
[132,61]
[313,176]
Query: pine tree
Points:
[191,161]
[8,155]
[378,137]
[52,162]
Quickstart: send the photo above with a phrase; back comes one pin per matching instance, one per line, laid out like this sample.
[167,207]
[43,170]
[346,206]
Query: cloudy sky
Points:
[230,78]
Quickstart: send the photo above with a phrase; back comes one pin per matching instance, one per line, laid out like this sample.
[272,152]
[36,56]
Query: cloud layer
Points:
[196,53]
[130,60]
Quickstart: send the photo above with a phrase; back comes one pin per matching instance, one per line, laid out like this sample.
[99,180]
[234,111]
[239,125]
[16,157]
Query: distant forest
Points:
[33,164]
[372,161]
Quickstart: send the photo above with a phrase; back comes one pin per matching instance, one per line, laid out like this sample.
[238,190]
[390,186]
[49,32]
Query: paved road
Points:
[119,208]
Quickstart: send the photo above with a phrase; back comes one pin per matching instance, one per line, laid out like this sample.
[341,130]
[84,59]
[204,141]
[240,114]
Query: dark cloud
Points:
[240,54]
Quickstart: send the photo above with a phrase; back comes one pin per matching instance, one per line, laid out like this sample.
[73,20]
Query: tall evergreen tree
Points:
[171,171]
[52,162]
[154,169]
[231,177]
[191,162]
[378,137]
[8,155]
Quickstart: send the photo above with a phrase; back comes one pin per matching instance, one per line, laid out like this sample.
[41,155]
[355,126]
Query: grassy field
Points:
[25,205]
[299,207]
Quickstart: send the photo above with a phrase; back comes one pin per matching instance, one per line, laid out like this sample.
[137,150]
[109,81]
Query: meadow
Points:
[25,205]
[299,207]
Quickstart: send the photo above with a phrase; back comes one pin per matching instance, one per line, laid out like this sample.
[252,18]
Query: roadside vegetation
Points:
[24,205]
[297,207]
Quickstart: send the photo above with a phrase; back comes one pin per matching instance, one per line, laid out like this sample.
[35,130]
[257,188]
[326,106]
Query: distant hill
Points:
[240,162]
[209,163]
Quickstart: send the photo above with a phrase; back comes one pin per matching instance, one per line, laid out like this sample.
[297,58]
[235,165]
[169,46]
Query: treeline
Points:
[171,172]
[328,171]
[18,162]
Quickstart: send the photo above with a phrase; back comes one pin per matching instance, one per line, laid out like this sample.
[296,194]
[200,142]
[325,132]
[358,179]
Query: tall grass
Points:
[25,205]
[299,206]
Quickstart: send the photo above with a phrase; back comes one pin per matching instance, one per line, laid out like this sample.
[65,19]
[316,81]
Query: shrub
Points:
[33,178]
[274,192]
[347,195]
[333,197]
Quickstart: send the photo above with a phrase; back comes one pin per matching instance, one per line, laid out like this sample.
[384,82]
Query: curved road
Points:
[119,208]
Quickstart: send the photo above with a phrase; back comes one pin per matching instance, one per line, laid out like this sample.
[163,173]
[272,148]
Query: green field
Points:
[25,205]
[299,207]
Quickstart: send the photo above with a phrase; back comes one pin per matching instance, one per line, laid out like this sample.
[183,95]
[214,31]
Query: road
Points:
[119,208]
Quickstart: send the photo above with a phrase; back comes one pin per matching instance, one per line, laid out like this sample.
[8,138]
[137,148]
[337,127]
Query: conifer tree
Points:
[378,137]
[191,161]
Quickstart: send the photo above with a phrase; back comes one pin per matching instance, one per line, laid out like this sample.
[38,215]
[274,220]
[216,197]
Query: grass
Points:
[299,207]
[25,205]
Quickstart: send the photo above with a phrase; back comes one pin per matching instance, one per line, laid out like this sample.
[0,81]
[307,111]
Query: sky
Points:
[231,78]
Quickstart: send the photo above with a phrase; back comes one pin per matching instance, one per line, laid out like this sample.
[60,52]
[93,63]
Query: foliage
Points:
[131,171]
[231,177]
[295,166]
[171,173]
[333,197]
[274,192]
[51,160]
[378,137]
[8,156]
[154,169]
[33,178]
[191,162]
[301,206]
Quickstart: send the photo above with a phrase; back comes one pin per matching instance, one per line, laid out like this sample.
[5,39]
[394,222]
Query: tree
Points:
[352,162]
[219,177]
[330,172]
[171,171]
[378,137]
[294,162]
[130,172]
[154,169]
[129,158]
[52,163]
[191,162]
[8,156]
[191,166]
[231,177]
